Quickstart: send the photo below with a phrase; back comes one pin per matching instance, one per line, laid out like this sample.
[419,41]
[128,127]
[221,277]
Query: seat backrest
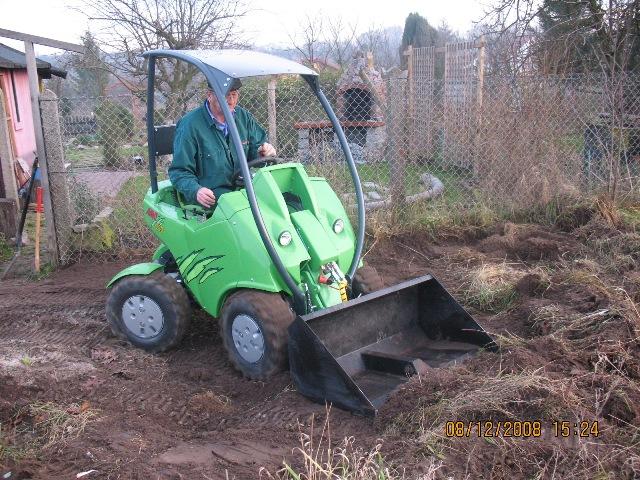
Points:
[163,137]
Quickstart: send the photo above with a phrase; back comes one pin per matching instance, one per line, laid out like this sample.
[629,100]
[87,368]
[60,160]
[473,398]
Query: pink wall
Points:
[23,129]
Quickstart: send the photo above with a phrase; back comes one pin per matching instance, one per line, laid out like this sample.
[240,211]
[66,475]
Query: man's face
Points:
[232,100]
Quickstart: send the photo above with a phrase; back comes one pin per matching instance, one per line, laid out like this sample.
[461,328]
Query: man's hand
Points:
[267,150]
[206,197]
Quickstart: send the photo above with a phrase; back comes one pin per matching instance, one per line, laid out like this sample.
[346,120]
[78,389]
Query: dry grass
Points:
[575,357]
[210,402]
[608,210]
[526,158]
[40,426]
[532,395]
[55,423]
[525,394]
[320,458]
[10,450]
[491,287]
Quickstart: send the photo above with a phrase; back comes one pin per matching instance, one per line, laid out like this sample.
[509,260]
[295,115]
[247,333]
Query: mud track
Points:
[183,414]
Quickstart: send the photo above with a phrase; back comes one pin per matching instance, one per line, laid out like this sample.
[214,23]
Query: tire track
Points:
[53,334]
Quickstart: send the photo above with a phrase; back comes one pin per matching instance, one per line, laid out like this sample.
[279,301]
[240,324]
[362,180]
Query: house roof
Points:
[13,59]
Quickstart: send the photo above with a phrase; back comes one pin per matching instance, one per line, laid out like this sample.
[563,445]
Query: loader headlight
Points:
[338,225]
[285,238]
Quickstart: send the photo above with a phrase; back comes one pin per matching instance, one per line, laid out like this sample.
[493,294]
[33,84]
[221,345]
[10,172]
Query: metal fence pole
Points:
[60,199]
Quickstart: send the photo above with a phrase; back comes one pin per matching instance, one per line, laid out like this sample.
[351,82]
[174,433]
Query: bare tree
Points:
[341,39]
[581,36]
[310,39]
[572,35]
[383,43]
[131,27]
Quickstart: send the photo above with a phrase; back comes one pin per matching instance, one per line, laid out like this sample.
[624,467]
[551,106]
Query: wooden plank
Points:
[271,91]
[7,114]
[52,244]
[49,42]
[9,186]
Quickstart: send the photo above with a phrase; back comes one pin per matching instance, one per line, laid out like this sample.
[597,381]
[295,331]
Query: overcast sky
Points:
[269,23]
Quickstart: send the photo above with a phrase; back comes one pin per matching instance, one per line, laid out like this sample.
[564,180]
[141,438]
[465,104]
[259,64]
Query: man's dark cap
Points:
[235,84]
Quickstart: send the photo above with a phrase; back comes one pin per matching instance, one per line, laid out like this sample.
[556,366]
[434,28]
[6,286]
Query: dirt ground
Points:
[561,304]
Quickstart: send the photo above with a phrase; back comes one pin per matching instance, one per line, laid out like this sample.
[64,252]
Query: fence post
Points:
[410,104]
[396,130]
[481,45]
[6,154]
[479,94]
[8,204]
[271,90]
[59,190]
[32,73]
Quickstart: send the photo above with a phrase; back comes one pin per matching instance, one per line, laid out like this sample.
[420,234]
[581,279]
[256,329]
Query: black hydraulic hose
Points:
[151,135]
[354,175]
[300,303]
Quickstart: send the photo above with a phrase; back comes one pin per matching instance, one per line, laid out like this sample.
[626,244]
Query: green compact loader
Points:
[278,263]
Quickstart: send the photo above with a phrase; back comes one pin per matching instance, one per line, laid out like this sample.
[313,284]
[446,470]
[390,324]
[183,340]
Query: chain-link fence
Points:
[421,145]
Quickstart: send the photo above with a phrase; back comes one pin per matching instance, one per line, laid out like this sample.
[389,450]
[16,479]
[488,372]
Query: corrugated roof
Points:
[12,59]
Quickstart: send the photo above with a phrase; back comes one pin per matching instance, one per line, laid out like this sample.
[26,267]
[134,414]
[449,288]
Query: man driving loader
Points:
[204,161]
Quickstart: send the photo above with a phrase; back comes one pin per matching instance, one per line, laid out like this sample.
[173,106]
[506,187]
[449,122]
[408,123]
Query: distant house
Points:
[14,84]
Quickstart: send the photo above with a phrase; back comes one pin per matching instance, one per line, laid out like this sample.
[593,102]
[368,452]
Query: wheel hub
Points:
[142,316]
[247,338]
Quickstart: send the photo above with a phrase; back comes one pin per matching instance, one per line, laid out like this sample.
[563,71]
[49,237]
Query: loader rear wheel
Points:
[365,280]
[151,311]
[254,332]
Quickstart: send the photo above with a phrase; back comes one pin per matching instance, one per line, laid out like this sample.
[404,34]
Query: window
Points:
[15,99]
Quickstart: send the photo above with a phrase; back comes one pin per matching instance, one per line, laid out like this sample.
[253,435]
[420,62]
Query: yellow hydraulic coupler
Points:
[343,291]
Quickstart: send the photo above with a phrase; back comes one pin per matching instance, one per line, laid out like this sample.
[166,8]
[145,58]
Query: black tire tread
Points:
[172,291]
[275,316]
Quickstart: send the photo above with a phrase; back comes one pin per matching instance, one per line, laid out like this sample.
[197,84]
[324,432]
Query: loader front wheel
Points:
[254,332]
[365,280]
[151,311]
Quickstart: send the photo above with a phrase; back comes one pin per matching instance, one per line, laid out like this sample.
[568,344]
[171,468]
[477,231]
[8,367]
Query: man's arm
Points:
[182,171]
[257,137]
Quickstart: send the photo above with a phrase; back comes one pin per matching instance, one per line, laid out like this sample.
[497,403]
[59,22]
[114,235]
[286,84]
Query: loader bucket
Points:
[355,354]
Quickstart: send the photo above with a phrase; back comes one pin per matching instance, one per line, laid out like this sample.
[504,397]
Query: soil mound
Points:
[526,242]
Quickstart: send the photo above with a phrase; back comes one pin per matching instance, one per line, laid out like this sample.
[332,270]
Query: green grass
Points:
[93,156]
[6,251]
[127,207]
[26,360]
[630,217]
[380,173]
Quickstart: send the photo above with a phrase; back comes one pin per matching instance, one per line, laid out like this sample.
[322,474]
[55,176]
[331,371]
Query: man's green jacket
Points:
[204,157]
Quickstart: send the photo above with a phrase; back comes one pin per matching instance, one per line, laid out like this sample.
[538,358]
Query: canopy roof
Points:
[238,63]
